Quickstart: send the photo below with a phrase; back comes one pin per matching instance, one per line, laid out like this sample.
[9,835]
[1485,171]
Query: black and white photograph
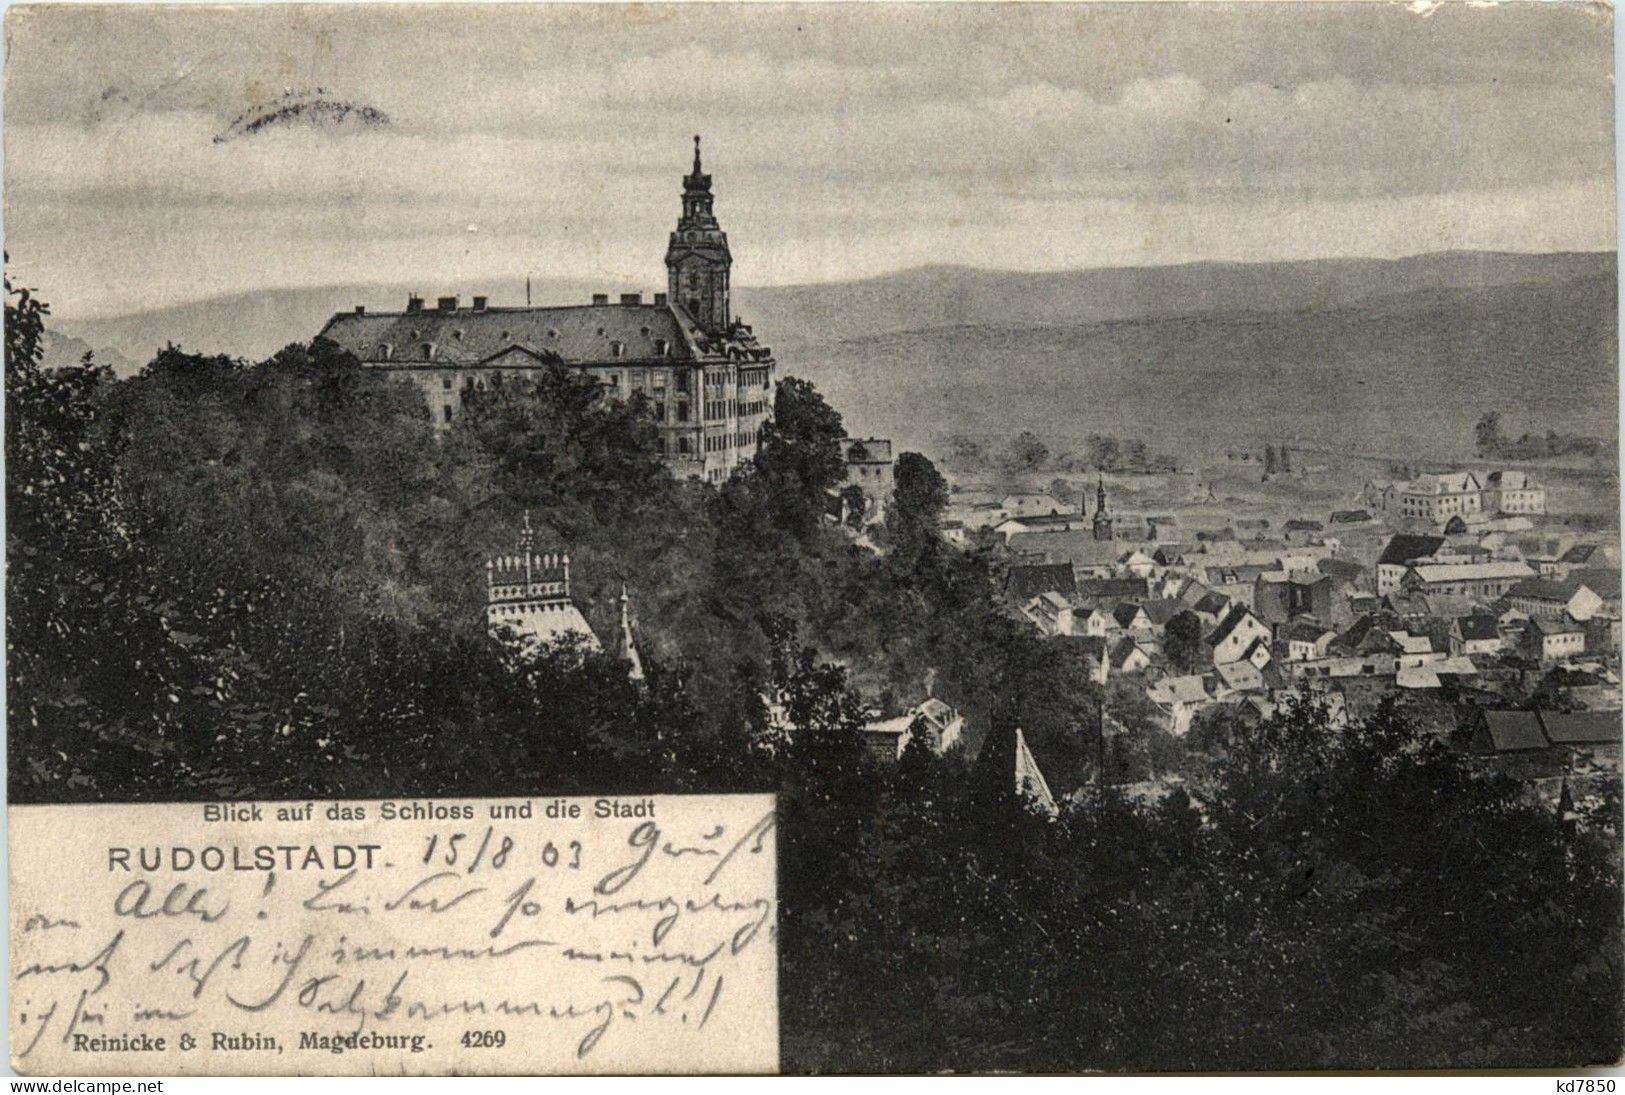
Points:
[812,538]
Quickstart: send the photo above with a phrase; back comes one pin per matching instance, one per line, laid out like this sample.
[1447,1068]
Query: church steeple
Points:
[1103,520]
[697,259]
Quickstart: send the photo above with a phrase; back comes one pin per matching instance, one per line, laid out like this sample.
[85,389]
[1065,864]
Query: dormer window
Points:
[384,350]
[458,335]
[660,347]
[645,332]
[600,332]
[428,351]
[615,349]
[552,332]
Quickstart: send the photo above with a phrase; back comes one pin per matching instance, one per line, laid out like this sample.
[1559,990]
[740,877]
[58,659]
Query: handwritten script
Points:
[579,935]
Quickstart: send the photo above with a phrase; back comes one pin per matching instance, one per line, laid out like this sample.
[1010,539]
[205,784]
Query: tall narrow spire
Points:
[625,649]
[697,154]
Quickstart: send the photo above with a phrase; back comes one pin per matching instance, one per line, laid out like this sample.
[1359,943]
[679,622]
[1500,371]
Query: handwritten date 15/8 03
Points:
[493,851]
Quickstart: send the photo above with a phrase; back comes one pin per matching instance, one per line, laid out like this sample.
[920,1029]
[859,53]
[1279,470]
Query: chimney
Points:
[414,303]
[479,304]
[660,298]
[447,304]
[600,298]
[360,309]
[631,298]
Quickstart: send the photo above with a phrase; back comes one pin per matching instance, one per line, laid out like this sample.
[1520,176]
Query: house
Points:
[1278,598]
[1403,548]
[1093,621]
[1547,639]
[1050,612]
[1032,505]
[1237,636]
[1127,656]
[1136,563]
[1238,676]
[1501,732]
[1305,640]
[1480,634]
[1346,571]
[1025,582]
[1351,517]
[1088,556]
[1590,740]
[1061,522]
[1588,555]
[1487,581]
[1579,743]
[1438,498]
[1130,618]
[1108,591]
[1605,583]
[1211,607]
[1513,492]
[1094,652]
[1414,650]
[1180,698]
[885,739]
[1159,610]
[1544,598]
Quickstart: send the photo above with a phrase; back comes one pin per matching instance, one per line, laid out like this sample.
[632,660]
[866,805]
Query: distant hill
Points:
[950,296]
[790,317]
[1407,372]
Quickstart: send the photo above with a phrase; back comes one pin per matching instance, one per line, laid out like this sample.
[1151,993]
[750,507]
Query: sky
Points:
[148,162]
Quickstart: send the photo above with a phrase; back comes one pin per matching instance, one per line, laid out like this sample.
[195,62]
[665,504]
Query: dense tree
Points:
[1182,641]
[919,496]
[1026,452]
[1487,434]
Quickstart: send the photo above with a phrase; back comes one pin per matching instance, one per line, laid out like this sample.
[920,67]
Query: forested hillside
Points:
[232,580]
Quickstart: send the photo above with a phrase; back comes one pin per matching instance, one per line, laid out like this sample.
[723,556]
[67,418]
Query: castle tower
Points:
[1103,520]
[625,648]
[697,259]
[528,594]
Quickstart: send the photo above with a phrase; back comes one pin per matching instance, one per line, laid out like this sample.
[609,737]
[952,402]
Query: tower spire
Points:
[625,648]
[696,154]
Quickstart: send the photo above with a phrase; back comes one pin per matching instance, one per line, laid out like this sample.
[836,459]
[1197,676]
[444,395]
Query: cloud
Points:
[1083,135]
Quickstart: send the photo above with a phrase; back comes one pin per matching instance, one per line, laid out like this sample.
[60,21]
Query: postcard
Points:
[812,538]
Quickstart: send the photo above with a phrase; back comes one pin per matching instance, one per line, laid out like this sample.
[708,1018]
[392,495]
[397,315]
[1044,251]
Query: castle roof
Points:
[583,334]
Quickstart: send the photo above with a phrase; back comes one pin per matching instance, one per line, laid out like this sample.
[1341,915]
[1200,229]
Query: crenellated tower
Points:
[529,591]
[697,259]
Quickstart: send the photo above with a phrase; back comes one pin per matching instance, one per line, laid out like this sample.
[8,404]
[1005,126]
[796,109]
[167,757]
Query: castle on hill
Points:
[708,380]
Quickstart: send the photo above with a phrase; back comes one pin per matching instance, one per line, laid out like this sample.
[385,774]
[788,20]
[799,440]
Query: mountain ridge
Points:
[254,325]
